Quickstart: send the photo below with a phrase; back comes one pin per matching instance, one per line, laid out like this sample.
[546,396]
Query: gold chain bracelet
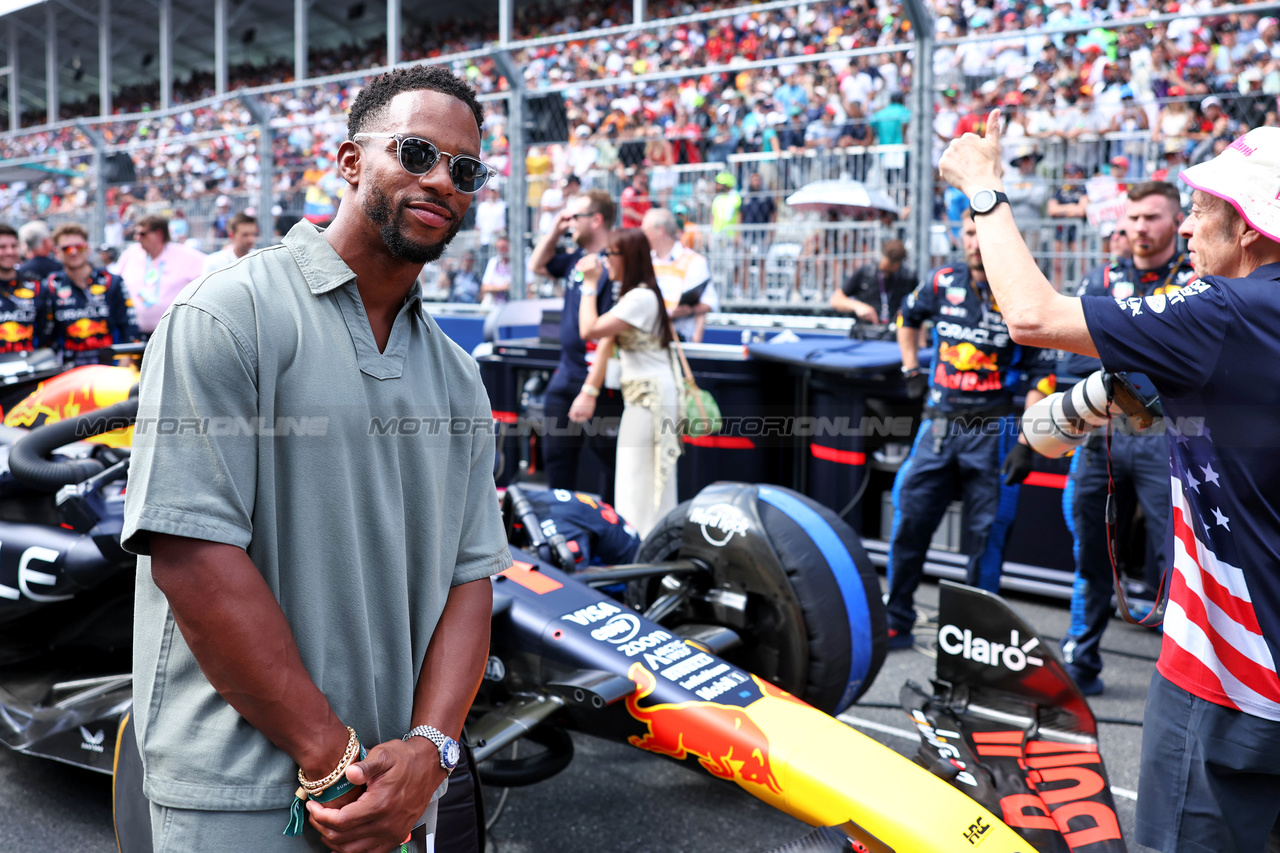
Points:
[353,747]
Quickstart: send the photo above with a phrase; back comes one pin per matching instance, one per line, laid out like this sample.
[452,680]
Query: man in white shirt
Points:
[243,231]
[679,270]
[491,215]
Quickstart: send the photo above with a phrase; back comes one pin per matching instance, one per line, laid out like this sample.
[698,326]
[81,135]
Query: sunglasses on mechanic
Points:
[419,156]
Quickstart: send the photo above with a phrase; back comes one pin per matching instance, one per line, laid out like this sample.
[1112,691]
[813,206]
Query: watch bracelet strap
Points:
[434,735]
[298,810]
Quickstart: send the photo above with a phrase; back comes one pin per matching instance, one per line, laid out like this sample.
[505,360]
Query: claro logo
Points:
[619,629]
[720,523]
[1012,655]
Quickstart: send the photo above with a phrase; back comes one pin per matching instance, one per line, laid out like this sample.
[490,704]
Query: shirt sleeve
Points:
[482,549]
[558,266]
[185,478]
[639,308]
[919,305]
[1173,339]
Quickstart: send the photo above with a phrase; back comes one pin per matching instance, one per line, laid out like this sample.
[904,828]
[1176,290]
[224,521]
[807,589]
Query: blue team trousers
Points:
[1144,461]
[950,456]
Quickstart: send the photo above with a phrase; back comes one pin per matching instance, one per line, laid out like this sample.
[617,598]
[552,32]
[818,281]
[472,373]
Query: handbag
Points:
[701,412]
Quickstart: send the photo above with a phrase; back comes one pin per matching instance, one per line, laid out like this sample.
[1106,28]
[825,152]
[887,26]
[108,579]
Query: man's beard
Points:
[378,208]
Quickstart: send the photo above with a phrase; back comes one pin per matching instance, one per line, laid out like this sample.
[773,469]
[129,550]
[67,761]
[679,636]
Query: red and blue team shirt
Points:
[87,319]
[1211,349]
[977,365]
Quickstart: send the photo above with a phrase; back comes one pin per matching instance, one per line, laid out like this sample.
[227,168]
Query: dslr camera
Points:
[1062,421]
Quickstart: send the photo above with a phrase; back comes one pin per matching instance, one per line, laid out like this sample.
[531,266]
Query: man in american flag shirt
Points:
[1210,773]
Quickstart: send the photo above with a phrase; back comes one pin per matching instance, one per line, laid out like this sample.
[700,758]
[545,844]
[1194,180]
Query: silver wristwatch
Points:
[450,752]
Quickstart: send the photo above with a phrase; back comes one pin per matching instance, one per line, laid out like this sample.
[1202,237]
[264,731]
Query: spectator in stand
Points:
[155,270]
[680,272]
[37,247]
[461,282]
[244,236]
[1069,201]
[1027,192]
[759,210]
[491,215]
[874,292]
[179,228]
[791,137]
[495,284]
[635,200]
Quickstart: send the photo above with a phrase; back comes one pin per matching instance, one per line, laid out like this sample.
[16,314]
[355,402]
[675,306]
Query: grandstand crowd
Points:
[1135,101]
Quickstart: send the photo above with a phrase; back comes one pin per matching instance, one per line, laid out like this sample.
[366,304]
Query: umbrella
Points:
[846,196]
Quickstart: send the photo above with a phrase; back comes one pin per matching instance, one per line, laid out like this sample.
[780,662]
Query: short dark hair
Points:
[7,230]
[373,99]
[1138,192]
[240,219]
[154,223]
[894,251]
[599,201]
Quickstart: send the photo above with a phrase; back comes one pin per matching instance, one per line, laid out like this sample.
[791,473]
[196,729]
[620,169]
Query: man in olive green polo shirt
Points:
[313,506]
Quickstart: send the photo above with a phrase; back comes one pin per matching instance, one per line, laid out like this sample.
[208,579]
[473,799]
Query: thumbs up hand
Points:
[972,162]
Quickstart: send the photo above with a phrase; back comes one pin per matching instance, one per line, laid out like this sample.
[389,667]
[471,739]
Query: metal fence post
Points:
[266,167]
[517,192]
[98,223]
[921,174]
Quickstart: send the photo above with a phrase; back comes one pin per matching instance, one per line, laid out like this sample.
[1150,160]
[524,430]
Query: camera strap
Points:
[1156,616]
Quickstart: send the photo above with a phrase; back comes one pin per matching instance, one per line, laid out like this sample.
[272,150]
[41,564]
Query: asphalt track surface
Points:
[616,798]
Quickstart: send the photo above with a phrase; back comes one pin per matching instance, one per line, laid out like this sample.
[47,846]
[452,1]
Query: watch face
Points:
[451,753]
[983,200]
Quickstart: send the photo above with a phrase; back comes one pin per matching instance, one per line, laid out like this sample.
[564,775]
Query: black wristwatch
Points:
[985,201]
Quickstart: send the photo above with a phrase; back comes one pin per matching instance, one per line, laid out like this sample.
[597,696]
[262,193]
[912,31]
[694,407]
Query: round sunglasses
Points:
[419,156]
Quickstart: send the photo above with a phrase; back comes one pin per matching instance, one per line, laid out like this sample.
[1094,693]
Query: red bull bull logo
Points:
[14,333]
[967,357]
[86,328]
[726,741]
[974,369]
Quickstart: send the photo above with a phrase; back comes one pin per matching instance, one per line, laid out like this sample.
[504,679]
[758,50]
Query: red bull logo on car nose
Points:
[726,741]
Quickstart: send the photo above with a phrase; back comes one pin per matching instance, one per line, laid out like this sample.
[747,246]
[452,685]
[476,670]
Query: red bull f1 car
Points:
[749,618]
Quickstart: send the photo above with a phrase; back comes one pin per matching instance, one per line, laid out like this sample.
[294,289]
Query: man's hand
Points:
[399,779]
[973,162]
[562,223]
[865,313]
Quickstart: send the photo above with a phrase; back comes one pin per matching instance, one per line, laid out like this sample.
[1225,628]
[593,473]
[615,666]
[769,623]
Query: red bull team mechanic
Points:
[1210,772]
[89,307]
[966,435]
[1156,268]
[24,300]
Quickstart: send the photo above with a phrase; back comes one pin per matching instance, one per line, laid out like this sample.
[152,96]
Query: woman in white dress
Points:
[648,444]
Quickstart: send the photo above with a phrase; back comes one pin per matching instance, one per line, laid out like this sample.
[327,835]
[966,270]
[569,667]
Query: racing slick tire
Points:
[842,635]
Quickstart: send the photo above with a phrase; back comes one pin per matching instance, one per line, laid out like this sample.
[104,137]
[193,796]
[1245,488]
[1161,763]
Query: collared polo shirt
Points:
[359,482]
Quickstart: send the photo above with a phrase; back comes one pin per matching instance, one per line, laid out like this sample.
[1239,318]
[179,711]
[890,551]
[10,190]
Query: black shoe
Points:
[1090,686]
